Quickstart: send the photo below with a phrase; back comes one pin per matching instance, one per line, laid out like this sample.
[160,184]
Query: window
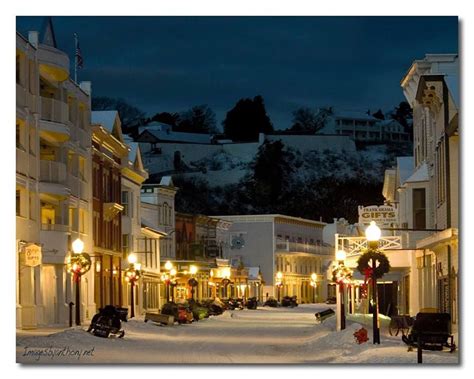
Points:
[18,69]
[20,138]
[419,208]
[82,220]
[18,202]
[440,173]
[125,243]
[31,206]
[125,211]
[82,168]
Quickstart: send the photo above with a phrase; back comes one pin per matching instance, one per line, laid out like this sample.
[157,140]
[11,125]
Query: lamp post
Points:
[279,283]
[78,264]
[168,267]
[373,233]
[193,270]
[173,282]
[314,284]
[132,274]
[341,257]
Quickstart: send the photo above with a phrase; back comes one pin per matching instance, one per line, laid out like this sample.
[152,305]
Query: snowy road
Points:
[266,335]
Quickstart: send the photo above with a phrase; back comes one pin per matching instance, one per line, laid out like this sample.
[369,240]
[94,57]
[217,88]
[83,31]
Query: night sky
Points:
[172,63]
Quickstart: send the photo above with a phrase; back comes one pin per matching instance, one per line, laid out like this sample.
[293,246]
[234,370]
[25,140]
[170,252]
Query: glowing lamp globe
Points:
[77,246]
[373,232]
[193,270]
[168,265]
[279,275]
[173,271]
[313,277]
[132,259]
[341,255]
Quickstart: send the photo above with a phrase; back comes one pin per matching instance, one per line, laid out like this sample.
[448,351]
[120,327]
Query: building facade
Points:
[109,157]
[431,86]
[53,180]
[278,243]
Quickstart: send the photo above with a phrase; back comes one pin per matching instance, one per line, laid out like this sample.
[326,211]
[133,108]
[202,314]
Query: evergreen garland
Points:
[381,268]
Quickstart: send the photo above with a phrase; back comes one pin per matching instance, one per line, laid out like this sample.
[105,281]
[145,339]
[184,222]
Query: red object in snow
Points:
[361,335]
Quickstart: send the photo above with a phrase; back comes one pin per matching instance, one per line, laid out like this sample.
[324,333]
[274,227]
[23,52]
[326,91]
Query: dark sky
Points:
[172,63]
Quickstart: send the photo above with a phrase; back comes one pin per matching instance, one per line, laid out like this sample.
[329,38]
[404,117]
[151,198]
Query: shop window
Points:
[125,243]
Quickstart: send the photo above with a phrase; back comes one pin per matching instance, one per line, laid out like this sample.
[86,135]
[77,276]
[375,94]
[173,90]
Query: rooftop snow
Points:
[354,115]
[104,118]
[164,135]
[420,175]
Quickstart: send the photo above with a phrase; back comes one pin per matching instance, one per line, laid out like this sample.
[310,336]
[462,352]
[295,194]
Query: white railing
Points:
[54,110]
[53,172]
[356,245]
[299,247]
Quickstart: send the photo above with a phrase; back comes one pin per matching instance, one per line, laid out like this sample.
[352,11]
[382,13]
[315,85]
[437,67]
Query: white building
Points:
[53,181]
[431,86]
[278,243]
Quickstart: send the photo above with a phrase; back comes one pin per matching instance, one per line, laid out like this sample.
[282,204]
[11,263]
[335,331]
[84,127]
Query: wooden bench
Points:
[159,318]
[321,316]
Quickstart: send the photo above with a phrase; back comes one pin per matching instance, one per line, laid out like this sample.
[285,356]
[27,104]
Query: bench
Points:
[323,315]
[159,318]
[431,331]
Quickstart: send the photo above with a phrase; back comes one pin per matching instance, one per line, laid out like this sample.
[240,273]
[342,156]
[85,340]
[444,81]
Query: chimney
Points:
[33,38]
[86,87]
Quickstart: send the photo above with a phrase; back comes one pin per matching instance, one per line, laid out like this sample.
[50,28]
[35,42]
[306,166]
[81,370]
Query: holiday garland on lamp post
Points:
[373,264]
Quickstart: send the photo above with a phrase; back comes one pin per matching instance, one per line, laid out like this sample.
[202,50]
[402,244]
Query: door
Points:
[50,300]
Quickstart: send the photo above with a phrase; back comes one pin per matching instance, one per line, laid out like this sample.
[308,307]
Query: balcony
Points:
[298,247]
[21,161]
[52,172]
[54,118]
[54,238]
[53,63]
[111,210]
[20,96]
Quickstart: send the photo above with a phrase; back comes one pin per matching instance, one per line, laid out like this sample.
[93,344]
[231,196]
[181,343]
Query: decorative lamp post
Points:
[341,275]
[193,282]
[226,280]
[314,284]
[374,264]
[168,267]
[279,283]
[132,274]
[78,264]
[173,282]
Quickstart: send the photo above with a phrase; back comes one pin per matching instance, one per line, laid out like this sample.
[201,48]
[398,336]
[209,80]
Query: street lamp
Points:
[314,284]
[132,274]
[193,282]
[279,282]
[78,264]
[341,257]
[168,267]
[373,233]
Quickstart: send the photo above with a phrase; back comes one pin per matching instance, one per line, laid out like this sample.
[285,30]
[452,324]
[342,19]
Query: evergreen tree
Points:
[246,120]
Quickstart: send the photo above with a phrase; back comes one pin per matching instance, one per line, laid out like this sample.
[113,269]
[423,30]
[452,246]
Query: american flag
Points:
[79,60]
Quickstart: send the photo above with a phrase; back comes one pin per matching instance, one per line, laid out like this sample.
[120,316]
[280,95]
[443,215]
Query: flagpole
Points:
[75,57]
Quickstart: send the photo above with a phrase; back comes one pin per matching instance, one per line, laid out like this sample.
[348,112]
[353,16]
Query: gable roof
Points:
[404,168]
[420,175]
[170,136]
[110,120]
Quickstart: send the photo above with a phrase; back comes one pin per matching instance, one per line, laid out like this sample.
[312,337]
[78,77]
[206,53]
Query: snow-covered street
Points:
[265,335]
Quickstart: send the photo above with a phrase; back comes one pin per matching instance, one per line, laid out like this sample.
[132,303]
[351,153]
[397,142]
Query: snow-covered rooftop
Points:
[354,115]
[104,118]
[167,135]
[420,175]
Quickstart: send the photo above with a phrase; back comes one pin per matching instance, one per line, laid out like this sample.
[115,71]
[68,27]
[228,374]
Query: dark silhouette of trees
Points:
[199,119]
[166,118]
[246,120]
[130,115]
[379,114]
[404,115]
[308,120]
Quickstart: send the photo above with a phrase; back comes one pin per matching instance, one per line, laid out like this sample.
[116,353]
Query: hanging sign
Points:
[32,255]
[383,215]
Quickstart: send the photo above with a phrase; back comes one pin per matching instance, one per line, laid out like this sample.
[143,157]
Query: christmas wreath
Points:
[382,265]
[341,274]
[78,264]
[193,282]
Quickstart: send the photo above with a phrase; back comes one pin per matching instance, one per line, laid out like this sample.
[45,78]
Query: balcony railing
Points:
[298,247]
[53,172]
[54,110]
[55,228]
